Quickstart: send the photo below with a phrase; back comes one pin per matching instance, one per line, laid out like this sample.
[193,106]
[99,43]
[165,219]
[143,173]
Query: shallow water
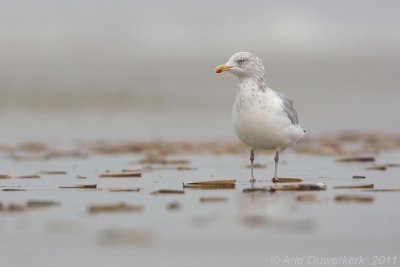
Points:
[247,229]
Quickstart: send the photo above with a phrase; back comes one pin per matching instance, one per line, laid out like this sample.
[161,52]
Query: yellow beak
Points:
[221,68]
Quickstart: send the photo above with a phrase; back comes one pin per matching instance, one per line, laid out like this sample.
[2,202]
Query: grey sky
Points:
[139,29]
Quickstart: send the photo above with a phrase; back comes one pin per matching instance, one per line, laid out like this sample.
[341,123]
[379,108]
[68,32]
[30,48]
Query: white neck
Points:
[253,83]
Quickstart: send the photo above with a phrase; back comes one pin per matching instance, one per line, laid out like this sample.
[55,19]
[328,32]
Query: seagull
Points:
[262,118]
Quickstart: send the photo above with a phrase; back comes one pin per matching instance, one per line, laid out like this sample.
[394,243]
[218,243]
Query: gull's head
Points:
[243,65]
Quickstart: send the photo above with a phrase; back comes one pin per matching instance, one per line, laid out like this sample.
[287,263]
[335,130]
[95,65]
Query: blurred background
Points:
[143,69]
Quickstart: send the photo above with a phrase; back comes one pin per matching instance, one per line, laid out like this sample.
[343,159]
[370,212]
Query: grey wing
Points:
[288,108]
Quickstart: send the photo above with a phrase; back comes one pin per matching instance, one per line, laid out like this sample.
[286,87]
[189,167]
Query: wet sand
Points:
[136,225]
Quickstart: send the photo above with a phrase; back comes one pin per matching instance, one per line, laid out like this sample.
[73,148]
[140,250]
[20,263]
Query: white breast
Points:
[260,121]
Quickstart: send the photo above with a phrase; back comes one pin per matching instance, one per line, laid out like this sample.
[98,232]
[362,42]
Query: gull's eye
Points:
[241,61]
